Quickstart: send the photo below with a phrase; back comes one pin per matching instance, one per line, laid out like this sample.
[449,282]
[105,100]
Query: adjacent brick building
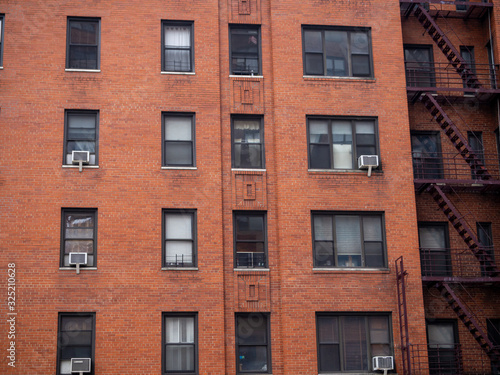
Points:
[249,186]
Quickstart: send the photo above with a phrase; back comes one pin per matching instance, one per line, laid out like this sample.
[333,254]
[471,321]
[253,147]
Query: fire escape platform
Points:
[447,9]
[447,185]
[453,95]
[461,280]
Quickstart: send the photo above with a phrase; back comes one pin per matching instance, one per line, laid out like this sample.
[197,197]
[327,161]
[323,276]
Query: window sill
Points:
[181,168]
[179,268]
[251,269]
[83,70]
[83,166]
[350,269]
[74,269]
[345,79]
[356,171]
[248,170]
[244,76]
[179,73]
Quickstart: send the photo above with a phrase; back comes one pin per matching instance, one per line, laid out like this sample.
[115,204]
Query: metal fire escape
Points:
[437,86]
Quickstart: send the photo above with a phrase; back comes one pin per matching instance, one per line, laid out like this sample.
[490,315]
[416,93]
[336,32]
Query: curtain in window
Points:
[342,144]
[348,240]
[355,345]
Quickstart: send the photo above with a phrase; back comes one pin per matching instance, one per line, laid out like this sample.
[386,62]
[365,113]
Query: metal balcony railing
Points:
[427,76]
[457,263]
[250,260]
[451,166]
[179,260]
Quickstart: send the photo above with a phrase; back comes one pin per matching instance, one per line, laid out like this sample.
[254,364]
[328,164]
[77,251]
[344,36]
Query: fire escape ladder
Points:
[470,321]
[401,274]
[458,222]
[439,37]
[456,138]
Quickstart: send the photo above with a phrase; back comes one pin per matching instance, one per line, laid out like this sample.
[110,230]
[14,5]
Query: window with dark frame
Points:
[177,46]
[338,142]
[81,134]
[250,239]
[2,17]
[245,49]
[348,240]
[79,234]
[76,339]
[178,140]
[179,238]
[83,40]
[347,343]
[337,51]
[180,343]
[435,259]
[443,350]
[248,142]
[253,351]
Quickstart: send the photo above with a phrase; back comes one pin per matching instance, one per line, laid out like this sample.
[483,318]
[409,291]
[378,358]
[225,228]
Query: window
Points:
[248,142]
[83,43]
[463,7]
[348,240]
[177,47]
[250,240]
[180,343]
[427,155]
[179,238]
[475,140]
[444,352]
[81,134]
[419,63]
[337,51]
[245,50]
[485,237]
[79,234]
[1,39]
[493,327]
[337,143]
[348,342]
[178,140]
[253,352]
[434,249]
[76,338]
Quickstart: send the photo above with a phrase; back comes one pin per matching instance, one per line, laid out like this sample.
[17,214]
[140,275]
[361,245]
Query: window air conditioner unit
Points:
[368,162]
[80,158]
[383,363]
[75,259]
[80,365]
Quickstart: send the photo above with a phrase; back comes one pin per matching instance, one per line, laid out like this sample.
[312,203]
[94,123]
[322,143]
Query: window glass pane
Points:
[359,43]
[177,60]
[177,36]
[178,153]
[79,233]
[79,221]
[328,329]
[372,228]
[323,228]
[65,367]
[250,258]
[178,128]
[246,131]
[323,254]
[245,41]
[320,157]
[313,41]
[374,254]
[318,131]
[81,121]
[180,330]
[82,57]
[252,329]
[329,357]
[314,64]
[76,323]
[360,65]
[249,228]
[379,329]
[250,247]
[355,345]
[347,237]
[81,133]
[178,226]
[76,352]
[79,246]
[179,358]
[441,334]
[178,252]
[342,144]
[337,54]
[252,358]
[83,32]
[81,146]
[432,237]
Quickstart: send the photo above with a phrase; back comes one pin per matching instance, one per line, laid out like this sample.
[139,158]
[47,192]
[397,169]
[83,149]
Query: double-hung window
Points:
[76,338]
[347,343]
[81,134]
[337,51]
[253,351]
[83,51]
[348,240]
[177,46]
[180,343]
[179,238]
[250,239]
[245,50]
[1,39]
[178,140]
[248,142]
[337,143]
[79,234]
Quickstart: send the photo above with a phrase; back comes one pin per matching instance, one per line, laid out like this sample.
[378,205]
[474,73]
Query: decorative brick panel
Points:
[245,11]
[247,95]
[249,190]
[252,291]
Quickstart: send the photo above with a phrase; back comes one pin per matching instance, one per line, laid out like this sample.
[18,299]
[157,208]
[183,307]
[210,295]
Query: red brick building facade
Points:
[224,202]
